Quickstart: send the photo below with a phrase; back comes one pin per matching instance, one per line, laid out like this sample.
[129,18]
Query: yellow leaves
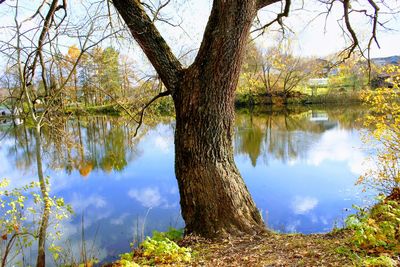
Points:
[383,122]
[85,168]
[249,84]
[73,52]
[4,183]
[16,228]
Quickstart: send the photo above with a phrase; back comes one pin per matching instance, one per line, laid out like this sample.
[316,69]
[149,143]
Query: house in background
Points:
[384,79]
[325,67]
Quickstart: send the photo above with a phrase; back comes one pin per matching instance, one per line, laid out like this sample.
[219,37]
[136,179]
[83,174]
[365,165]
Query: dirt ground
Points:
[271,249]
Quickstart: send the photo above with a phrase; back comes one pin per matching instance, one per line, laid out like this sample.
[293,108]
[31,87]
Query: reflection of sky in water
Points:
[307,193]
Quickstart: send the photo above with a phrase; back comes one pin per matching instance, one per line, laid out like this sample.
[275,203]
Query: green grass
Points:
[109,109]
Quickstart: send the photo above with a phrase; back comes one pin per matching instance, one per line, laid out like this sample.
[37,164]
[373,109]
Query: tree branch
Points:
[264,3]
[284,13]
[350,49]
[150,40]
[141,113]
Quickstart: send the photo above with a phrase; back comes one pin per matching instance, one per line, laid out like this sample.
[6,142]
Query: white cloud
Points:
[148,197]
[163,144]
[338,145]
[303,205]
[119,220]
[292,226]
[80,202]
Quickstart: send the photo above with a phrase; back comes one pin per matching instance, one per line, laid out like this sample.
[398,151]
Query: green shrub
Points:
[376,232]
[21,209]
[127,260]
[159,249]
[381,261]
[163,106]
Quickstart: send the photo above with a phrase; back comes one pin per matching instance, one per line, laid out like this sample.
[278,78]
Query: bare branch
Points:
[141,113]
[278,19]
[349,50]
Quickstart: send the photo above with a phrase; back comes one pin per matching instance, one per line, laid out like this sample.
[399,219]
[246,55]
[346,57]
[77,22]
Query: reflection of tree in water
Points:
[289,133]
[21,152]
[89,143]
[31,224]
[83,144]
[250,132]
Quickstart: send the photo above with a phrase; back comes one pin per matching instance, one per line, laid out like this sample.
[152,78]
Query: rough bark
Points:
[214,198]
[150,40]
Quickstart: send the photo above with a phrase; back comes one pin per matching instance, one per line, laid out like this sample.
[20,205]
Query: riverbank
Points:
[264,102]
[246,100]
[370,238]
[273,249]
[268,249]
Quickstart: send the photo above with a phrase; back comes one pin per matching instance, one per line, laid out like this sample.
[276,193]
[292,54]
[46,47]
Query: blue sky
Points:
[308,36]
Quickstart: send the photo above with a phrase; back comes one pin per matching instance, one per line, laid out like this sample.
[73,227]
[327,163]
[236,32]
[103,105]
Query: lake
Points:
[300,165]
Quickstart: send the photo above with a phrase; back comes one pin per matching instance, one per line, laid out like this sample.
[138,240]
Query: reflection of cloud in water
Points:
[163,144]
[338,145]
[302,205]
[148,197]
[18,177]
[321,219]
[292,226]
[173,190]
[119,220]
[80,203]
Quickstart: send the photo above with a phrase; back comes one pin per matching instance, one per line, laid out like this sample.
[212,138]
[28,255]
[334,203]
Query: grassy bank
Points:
[273,249]
[165,106]
[161,107]
[110,109]
[333,97]
[268,249]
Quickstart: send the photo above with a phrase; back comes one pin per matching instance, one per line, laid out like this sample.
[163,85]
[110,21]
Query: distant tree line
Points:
[278,72]
[102,75]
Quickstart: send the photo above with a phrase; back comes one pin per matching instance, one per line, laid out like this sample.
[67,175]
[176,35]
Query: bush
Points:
[159,249]
[376,231]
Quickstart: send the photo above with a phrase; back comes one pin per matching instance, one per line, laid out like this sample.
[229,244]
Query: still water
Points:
[300,166]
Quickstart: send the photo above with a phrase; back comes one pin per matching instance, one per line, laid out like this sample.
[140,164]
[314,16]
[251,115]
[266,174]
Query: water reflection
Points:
[300,165]
[288,134]
[302,169]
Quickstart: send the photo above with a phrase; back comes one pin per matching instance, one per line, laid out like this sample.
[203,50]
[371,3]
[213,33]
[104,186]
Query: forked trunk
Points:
[214,198]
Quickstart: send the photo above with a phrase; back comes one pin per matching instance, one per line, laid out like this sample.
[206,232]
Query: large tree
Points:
[214,199]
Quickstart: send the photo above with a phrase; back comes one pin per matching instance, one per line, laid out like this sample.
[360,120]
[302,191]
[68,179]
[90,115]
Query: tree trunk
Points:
[214,198]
